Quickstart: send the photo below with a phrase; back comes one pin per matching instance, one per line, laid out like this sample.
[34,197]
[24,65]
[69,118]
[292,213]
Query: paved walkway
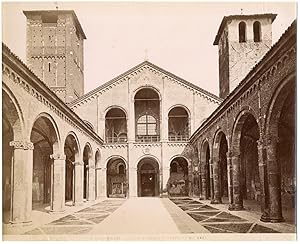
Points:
[139,216]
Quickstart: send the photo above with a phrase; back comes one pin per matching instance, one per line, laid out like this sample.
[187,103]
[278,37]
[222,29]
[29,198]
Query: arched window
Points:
[242,32]
[115,126]
[257,31]
[178,124]
[147,115]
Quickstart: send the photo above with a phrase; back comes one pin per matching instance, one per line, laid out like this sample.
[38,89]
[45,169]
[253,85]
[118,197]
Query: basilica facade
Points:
[148,132]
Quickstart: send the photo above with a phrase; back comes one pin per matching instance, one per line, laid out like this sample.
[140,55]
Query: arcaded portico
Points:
[148,132]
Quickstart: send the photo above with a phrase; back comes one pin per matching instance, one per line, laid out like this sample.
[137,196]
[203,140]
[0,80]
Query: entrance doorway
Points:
[148,178]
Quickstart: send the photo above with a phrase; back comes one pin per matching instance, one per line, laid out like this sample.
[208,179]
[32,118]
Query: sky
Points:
[176,36]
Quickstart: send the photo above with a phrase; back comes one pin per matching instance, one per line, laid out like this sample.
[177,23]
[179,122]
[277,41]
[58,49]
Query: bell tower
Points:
[54,50]
[242,40]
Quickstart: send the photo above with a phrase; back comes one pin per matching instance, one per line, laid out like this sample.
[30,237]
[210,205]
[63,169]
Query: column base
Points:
[57,211]
[276,220]
[201,198]
[265,217]
[20,224]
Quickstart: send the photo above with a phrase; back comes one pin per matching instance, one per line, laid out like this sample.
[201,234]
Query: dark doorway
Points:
[148,178]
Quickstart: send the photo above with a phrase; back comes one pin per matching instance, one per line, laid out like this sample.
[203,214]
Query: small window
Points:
[49,67]
[242,32]
[257,31]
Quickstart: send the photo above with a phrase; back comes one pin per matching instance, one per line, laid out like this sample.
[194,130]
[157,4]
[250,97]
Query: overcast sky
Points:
[178,36]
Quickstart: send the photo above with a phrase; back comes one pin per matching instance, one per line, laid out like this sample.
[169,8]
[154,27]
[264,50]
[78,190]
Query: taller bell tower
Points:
[54,50]
[242,40]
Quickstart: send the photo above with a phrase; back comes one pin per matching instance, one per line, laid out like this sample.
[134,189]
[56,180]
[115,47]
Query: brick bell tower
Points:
[54,50]
[242,40]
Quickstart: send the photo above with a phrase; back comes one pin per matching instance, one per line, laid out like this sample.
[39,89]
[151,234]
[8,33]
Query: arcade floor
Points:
[149,219]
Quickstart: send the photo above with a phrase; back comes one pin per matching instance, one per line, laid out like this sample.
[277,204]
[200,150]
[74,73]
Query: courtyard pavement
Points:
[151,219]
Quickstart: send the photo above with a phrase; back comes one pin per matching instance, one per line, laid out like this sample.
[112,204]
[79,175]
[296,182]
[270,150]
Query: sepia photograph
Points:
[149,121]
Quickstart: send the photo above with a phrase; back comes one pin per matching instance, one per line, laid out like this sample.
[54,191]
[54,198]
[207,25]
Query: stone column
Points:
[236,172]
[58,183]
[263,181]
[103,183]
[98,182]
[78,191]
[211,179]
[21,207]
[161,183]
[203,182]
[216,179]
[274,180]
[91,184]
[230,180]
[166,176]
[133,182]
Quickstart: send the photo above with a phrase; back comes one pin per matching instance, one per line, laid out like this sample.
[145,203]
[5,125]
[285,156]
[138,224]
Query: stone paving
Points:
[216,220]
[80,222]
[150,218]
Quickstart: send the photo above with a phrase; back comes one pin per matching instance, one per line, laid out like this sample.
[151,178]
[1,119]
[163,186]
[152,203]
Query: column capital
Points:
[58,156]
[22,145]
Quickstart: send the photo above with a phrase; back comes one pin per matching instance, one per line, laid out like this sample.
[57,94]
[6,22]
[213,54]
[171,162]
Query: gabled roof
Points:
[103,86]
[56,12]
[241,17]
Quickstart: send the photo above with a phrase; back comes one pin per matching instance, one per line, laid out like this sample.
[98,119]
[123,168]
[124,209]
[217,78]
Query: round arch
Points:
[205,169]
[148,156]
[116,107]
[146,87]
[54,125]
[239,121]
[148,176]
[115,156]
[97,158]
[178,182]
[116,177]
[73,134]
[280,133]
[219,153]
[72,152]
[180,156]
[180,106]
[246,181]
[277,100]
[18,124]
